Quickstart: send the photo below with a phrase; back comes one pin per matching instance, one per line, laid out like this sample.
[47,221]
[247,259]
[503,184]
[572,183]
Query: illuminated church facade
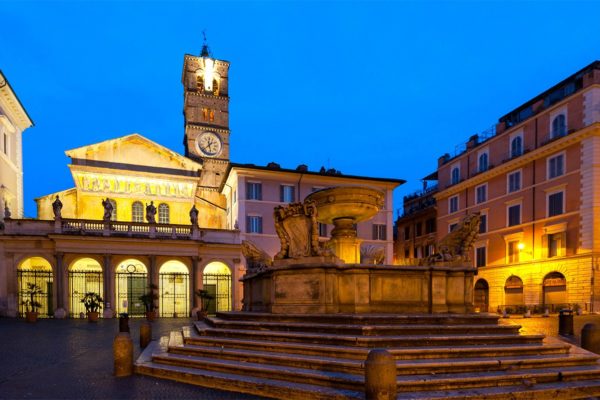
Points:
[175,221]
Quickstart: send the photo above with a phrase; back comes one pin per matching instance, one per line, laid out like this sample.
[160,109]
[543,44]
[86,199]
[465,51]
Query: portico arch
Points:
[555,291]
[174,289]
[131,282]
[37,271]
[85,275]
[216,279]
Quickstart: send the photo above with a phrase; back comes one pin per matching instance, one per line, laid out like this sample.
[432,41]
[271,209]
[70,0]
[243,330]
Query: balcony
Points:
[83,227]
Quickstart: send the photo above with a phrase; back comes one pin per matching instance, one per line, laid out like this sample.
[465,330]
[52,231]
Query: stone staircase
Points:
[322,357]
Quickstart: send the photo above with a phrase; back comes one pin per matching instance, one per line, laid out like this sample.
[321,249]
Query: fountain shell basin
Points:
[346,202]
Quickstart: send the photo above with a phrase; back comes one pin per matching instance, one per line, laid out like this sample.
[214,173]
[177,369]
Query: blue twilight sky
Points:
[375,88]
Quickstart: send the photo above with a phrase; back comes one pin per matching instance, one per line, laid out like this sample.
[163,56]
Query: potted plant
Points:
[205,299]
[92,302]
[149,301]
[32,305]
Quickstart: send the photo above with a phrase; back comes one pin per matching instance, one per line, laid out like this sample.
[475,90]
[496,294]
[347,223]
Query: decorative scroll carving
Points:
[256,259]
[298,230]
[456,246]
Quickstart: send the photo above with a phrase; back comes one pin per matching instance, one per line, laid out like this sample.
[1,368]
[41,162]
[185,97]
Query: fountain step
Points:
[406,383]
[191,336]
[365,319]
[361,329]
[425,340]
[404,367]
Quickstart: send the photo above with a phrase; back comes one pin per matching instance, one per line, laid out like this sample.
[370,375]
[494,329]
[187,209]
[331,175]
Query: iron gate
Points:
[174,297]
[130,286]
[80,283]
[219,286]
[44,280]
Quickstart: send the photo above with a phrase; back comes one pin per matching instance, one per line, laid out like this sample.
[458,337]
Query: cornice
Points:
[540,152]
[11,103]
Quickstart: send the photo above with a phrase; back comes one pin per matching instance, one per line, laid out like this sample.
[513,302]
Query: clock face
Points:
[209,144]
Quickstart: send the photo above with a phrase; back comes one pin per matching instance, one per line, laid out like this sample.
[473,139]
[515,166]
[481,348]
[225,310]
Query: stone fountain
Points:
[307,276]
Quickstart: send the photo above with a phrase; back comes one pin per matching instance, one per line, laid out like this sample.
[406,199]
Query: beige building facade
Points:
[13,122]
[535,182]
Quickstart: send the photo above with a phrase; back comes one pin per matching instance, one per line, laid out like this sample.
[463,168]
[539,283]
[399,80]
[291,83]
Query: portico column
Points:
[109,291]
[153,271]
[60,311]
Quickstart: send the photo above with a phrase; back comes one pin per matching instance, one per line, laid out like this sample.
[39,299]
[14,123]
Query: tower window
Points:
[163,213]
[137,212]
[215,87]
[200,81]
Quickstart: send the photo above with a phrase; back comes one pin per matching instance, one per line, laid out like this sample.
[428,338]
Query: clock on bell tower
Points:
[206,114]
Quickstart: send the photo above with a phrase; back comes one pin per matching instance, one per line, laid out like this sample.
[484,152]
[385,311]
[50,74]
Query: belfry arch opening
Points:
[85,275]
[37,271]
[174,289]
[216,279]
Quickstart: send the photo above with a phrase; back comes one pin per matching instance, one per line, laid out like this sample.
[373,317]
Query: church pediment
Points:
[133,152]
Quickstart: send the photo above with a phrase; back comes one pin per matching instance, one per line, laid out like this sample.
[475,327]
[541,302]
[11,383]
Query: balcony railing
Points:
[83,227]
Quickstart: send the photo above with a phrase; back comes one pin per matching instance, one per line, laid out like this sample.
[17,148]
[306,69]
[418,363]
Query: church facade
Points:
[142,214]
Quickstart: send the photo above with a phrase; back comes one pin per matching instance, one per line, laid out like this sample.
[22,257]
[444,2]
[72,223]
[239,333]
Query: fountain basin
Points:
[348,202]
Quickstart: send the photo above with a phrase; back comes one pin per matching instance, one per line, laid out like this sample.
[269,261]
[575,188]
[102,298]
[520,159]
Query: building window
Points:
[516,146]
[483,162]
[406,232]
[453,204]
[483,223]
[455,176]
[481,194]
[514,215]
[379,232]
[430,225]
[554,244]
[253,191]
[163,213]
[322,230]
[555,204]
[137,212]
[287,193]
[556,166]
[480,257]
[418,229]
[430,250]
[514,181]
[451,227]
[254,224]
[559,126]
[513,251]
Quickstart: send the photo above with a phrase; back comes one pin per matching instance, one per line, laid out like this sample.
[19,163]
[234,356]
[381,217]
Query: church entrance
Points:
[174,289]
[85,275]
[132,282]
[36,271]
[216,279]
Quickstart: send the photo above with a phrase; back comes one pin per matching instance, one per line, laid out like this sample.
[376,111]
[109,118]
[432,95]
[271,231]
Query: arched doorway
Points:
[482,295]
[555,291]
[131,283]
[513,293]
[85,275]
[216,279]
[174,289]
[37,271]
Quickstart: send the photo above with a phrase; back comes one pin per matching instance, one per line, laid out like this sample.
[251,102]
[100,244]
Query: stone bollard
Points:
[590,338]
[145,334]
[546,313]
[565,322]
[527,314]
[123,354]
[505,314]
[380,375]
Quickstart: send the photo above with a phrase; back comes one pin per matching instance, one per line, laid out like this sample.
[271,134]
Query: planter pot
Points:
[201,315]
[31,316]
[92,316]
[150,315]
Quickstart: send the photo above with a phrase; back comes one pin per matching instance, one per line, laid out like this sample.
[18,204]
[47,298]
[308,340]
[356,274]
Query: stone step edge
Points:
[333,363]
[217,322]
[245,384]
[409,382]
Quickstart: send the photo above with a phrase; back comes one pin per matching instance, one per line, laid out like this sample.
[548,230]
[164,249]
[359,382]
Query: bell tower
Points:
[206,114]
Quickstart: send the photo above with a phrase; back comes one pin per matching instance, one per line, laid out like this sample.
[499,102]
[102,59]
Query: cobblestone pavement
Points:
[72,359]
[549,326]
